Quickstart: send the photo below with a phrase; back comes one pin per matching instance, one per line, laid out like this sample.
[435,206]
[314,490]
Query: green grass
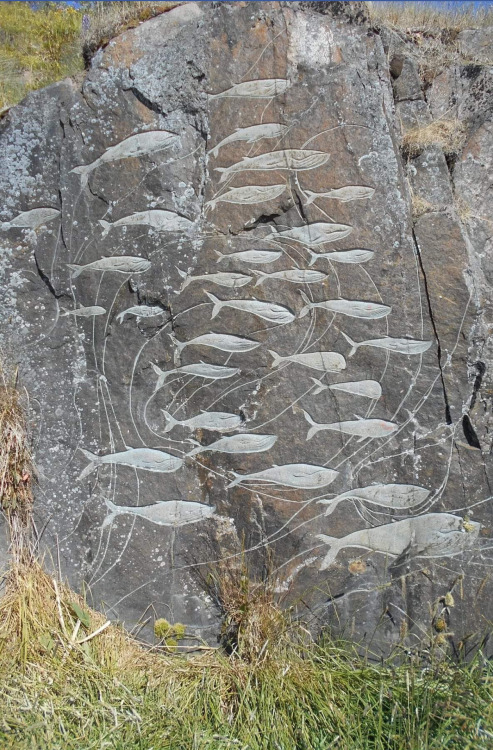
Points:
[111,692]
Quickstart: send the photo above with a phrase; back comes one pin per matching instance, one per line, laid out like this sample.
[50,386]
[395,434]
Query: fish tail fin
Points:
[211,204]
[224,173]
[314,426]
[84,173]
[120,316]
[112,512]
[306,309]
[94,462]
[311,196]
[220,256]
[161,376]
[237,479]
[171,421]
[320,387]
[178,344]
[331,555]
[217,304]
[354,345]
[186,278]
[76,269]
[64,312]
[261,276]
[277,358]
[106,226]
[196,450]
[313,257]
[214,151]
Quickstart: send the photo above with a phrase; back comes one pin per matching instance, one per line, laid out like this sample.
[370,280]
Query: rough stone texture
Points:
[93,382]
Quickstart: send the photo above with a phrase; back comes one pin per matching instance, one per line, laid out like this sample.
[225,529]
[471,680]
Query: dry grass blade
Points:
[16,468]
[449,135]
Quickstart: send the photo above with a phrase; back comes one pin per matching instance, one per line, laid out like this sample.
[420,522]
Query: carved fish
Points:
[289,158]
[401,346]
[141,311]
[313,234]
[84,312]
[31,219]
[251,256]
[300,476]
[252,134]
[394,496]
[344,194]
[164,513]
[369,388]
[323,361]
[117,263]
[349,307]
[220,421]
[232,280]
[264,88]
[265,310]
[222,341]
[137,458]
[429,535]
[294,275]
[135,145]
[362,428]
[343,256]
[200,370]
[249,194]
[161,221]
[241,443]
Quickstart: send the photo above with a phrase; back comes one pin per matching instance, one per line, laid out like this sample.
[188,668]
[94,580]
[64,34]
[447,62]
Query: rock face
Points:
[236,338]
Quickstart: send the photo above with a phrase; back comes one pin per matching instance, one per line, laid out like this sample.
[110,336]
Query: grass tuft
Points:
[449,135]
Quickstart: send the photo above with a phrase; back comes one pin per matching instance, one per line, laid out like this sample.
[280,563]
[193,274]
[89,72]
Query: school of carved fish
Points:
[425,534]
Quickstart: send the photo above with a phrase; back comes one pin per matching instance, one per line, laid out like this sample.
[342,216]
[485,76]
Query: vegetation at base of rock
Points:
[41,45]
[70,680]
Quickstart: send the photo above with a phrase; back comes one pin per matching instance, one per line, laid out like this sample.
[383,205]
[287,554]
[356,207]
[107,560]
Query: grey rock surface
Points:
[248,154]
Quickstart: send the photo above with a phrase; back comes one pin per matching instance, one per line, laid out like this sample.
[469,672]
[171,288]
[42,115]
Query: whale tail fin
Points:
[306,309]
[106,227]
[161,376]
[311,196]
[180,345]
[220,256]
[224,172]
[314,426]
[94,462]
[170,421]
[320,387]
[277,359]
[334,544]
[354,345]
[113,511]
[76,269]
[186,278]
[217,304]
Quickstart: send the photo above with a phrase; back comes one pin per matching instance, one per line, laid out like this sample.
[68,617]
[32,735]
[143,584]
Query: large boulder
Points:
[237,342]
